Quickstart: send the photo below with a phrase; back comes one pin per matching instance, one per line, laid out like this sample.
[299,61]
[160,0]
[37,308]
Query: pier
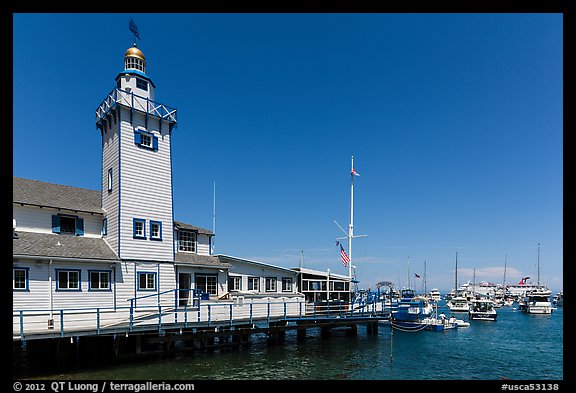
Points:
[137,331]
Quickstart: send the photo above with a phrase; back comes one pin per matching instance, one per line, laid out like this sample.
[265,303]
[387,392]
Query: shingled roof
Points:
[186,258]
[183,225]
[39,193]
[61,246]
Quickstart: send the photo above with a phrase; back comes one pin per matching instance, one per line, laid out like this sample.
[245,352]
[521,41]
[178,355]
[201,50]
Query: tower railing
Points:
[135,102]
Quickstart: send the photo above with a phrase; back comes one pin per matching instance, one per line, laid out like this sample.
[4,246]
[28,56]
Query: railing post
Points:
[230,314]
[159,317]
[98,321]
[340,309]
[131,314]
[284,310]
[251,304]
[186,315]
[327,308]
[314,308]
[209,317]
[268,315]
[21,325]
[198,301]
[61,323]
[300,307]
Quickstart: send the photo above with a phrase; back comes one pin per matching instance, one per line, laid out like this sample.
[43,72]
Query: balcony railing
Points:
[135,102]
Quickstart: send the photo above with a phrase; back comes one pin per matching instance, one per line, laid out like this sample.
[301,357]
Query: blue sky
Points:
[454,121]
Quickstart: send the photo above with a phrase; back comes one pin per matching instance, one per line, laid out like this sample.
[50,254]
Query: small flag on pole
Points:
[345,257]
[416,275]
[133,28]
[354,172]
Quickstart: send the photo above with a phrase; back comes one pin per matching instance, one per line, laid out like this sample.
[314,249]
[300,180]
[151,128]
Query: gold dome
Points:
[135,52]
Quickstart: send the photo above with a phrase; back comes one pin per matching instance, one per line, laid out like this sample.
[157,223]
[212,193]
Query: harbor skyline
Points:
[457,138]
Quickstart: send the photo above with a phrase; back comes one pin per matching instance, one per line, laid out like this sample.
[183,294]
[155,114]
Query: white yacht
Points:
[537,302]
[434,295]
[482,309]
[458,304]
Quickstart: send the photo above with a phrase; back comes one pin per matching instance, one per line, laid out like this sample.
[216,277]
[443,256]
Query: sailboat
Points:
[538,301]
[457,303]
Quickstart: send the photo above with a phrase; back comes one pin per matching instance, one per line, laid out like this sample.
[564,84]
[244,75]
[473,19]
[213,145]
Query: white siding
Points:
[36,219]
[38,297]
[110,199]
[262,271]
[203,244]
[145,190]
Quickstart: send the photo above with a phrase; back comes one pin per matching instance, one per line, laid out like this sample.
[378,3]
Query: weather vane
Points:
[134,29]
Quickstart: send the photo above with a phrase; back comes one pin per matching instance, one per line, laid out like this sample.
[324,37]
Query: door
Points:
[184,285]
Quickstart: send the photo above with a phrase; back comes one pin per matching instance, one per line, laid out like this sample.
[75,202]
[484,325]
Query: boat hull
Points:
[482,316]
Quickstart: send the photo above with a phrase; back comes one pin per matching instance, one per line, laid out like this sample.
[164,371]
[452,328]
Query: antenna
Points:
[301,258]
[214,216]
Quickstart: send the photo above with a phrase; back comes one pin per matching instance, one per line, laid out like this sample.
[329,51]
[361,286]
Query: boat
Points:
[406,321]
[458,304]
[558,299]
[537,301]
[482,309]
[434,295]
[411,309]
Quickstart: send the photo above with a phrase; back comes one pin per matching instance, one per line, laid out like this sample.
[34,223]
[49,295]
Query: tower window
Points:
[141,84]
[145,139]
[139,228]
[155,230]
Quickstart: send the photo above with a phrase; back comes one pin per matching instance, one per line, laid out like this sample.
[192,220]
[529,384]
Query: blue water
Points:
[518,346]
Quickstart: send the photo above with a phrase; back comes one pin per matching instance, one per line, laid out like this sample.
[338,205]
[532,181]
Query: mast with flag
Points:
[350,234]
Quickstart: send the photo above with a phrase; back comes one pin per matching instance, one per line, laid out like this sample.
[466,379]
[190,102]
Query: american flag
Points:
[345,257]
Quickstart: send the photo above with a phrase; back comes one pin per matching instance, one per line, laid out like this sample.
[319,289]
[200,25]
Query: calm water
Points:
[518,346]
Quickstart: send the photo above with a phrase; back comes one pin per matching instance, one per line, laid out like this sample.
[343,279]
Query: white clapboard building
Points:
[120,246]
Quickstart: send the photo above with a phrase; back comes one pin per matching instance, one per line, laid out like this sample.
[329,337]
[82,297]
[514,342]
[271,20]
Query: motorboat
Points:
[458,304]
[434,295]
[411,308]
[483,310]
[537,302]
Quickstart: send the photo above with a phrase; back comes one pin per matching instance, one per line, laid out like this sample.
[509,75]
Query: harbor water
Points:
[517,346]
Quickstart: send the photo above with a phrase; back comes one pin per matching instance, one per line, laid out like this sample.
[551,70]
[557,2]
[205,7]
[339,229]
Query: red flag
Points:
[354,172]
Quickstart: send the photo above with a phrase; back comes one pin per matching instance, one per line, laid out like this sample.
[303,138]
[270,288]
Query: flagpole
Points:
[351,226]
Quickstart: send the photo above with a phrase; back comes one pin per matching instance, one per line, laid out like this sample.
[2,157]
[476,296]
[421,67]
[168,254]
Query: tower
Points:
[136,165]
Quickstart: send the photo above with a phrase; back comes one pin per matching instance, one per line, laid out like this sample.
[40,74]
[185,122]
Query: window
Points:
[105,227]
[145,139]
[253,283]
[155,230]
[99,280]
[286,284]
[270,284]
[207,283]
[146,281]
[186,241]
[110,180]
[141,84]
[235,284]
[20,279]
[68,280]
[64,224]
[139,228]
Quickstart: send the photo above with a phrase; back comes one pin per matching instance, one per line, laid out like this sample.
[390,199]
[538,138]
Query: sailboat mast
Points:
[505,260]
[425,291]
[538,265]
[456,275]
[351,226]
